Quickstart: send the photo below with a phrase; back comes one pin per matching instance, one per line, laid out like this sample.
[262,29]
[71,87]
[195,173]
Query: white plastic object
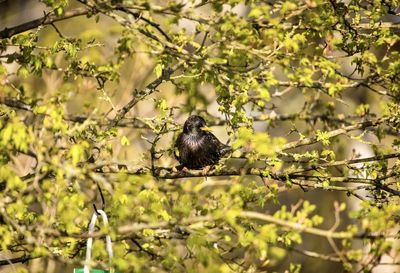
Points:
[92,225]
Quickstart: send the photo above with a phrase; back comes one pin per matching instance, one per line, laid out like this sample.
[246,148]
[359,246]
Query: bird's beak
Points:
[206,129]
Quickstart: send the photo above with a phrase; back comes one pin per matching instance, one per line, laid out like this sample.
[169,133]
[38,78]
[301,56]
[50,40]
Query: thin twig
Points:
[140,95]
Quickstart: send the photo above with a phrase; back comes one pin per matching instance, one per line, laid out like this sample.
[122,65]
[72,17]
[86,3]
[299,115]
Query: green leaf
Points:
[125,141]
[23,72]
[323,137]
[3,70]
[77,152]
[39,109]
[159,69]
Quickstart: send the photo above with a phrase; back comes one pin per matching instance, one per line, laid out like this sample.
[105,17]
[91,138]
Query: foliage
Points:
[93,95]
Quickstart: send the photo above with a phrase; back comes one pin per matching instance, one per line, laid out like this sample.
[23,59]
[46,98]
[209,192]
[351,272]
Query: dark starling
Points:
[197,147]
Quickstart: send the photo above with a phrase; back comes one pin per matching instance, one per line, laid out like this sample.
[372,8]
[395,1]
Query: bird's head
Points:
[195,124]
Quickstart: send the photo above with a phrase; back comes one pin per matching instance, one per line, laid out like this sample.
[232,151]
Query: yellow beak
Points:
[206,129]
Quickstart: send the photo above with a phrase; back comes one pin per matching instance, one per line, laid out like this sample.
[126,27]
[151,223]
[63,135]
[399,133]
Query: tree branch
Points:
[301,180]
[349,162]
[316,255]
[45,20]
[22,259]
[330,134]
[133,228]
[296,226]
[170,173]
[148,21]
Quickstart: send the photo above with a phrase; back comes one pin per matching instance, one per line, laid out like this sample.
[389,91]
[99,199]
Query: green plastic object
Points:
[80,270]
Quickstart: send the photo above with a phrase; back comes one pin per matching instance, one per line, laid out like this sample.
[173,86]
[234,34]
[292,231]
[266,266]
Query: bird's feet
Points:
[181,170]
[205,170]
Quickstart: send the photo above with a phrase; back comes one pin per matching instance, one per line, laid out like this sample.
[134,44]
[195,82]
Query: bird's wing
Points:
[224,149]
[219,147]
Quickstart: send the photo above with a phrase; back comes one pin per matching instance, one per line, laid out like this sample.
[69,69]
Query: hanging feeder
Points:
[87,266]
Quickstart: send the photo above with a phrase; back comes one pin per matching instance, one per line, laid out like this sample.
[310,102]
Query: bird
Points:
[196,147]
